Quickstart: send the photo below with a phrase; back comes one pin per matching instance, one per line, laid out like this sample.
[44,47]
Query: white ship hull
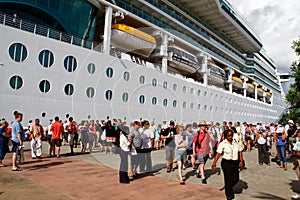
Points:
[202,102]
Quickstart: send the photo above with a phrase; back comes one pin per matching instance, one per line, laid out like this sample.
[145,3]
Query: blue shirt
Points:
[190,139]
[17,128]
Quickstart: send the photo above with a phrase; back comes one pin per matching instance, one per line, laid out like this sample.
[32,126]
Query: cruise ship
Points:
[184,60]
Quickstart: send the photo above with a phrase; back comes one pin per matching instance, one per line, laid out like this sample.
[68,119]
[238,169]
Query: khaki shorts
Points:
[71,139]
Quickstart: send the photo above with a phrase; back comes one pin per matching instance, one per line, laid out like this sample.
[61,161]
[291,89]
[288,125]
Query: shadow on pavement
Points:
[238,188]
[295,186]
[267,196]
[47,165]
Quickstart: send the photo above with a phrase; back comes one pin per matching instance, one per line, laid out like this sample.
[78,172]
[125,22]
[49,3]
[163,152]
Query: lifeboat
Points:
[237,82]
[268,95]
[182,60]
[132,40]
[250,88]
[260,92]
[215,74]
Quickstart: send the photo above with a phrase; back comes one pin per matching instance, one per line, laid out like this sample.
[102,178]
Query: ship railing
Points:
[15,22]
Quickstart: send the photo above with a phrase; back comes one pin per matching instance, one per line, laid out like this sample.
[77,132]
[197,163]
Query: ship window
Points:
[90,92]
[142,79]
[46,58]
[210,108]
[69,89]
[165,84]
[154,82]
[174,103]
[18,52]
[44,86]
[108,95]
[43,114]
[184,89]
[109,72]
[216,96]
[154,100]
[199,106]
[91,68]
[174,87]
[16,82]
[216,109]
[165,102]
[70,63]
[205,107]
[126,76]
[199,92]
[142,99]
[205,93]
[192,90]
[125,96]
[192,106]
[184,104]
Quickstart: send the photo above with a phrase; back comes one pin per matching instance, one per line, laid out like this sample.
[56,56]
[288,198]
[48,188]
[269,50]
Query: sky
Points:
[277,23]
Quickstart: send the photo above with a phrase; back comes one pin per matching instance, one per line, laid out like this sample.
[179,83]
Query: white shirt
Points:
[147,135]
[124,143]
[231,151]
[49,127]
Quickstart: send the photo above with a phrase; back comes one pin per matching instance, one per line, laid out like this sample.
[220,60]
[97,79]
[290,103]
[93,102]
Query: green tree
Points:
[293,95]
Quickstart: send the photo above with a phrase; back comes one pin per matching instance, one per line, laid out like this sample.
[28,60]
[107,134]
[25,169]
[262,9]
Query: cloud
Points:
[277,24]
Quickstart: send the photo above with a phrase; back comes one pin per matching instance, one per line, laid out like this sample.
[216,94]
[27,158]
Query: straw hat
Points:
[202,123]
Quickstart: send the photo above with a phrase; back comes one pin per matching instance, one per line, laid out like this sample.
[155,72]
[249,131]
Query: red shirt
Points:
[72,127]
[204,140]
[56,129]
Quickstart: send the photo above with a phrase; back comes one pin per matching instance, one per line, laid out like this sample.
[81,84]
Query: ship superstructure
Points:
[154,59]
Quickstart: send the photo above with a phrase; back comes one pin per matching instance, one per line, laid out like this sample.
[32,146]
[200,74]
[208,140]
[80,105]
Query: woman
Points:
[110,135]
[181,143]
[231,161]
[280,138]
[4,137]
[124,152]
[248,133]
[261,139]
[296,148]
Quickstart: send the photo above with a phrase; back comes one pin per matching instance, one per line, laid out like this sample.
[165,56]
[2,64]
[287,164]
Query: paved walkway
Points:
[95,176]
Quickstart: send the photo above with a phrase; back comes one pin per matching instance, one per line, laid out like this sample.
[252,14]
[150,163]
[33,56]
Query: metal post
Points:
[107,30]
[164,53]
[255,90]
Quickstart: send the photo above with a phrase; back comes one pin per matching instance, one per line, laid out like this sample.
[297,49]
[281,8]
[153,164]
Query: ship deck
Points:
[95,176]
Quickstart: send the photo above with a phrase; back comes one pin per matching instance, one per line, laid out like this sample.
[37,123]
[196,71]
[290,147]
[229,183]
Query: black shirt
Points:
[170,141]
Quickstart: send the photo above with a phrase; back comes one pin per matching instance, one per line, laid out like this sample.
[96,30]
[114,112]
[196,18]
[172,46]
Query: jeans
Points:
[123,171]
[282,153]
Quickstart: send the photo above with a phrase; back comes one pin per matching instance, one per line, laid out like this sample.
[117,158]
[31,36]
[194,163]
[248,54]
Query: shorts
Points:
[169,153]
[189,151]
[49,139]
[15,147]
[71,139]
[202,158]
[180,155]
[55,142]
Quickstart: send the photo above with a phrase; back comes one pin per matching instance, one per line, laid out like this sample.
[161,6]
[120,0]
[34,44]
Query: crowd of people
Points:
[135,142]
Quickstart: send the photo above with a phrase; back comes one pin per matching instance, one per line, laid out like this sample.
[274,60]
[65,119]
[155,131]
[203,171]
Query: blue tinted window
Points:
[44,86]
[70,63]
[109,72]
[18,52]
[16,82]
[90,92]
[69,89]
[46,58]
[108,95]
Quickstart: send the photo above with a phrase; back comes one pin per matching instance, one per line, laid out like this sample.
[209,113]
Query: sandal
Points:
[16,169]
[1,165]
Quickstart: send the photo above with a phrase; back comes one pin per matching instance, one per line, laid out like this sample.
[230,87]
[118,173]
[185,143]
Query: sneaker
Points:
[194,168]
[204,181]
[198,175]
[183,167]
[296,196]
[168,170]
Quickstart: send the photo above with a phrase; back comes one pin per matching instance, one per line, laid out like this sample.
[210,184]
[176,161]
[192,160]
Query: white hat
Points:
[279,129]
[291,121]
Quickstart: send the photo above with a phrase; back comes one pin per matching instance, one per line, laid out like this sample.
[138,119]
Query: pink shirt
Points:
[204,140]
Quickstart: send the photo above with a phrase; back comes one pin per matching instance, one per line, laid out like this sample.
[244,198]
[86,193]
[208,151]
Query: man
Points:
[290,135]
[147,146]
[18,136]
[169,134]
[65,133]
[36,135]
[49,136]
[189,152]
[72,129]
[230,126]
[136,139]
[57,135]
[201,147]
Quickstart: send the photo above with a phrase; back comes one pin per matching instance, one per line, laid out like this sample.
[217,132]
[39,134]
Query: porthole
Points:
[90,92]
[43,114]
[174,104]
[18,52]
[165,84]
[46,58]
[184,89]
[199,106]
[192,90]
[199,92]
[205,107]
[44,86]
[154,82]
[142,79]
[142,99]
[125,96]
[192,106]
[16,82]
[108,95]
[174,87]
[69,89]
[126,76]
[109,72]
[184,104]
[70,63]
[216,109]
[154,100]
[210,108]
[165,102]
[91,68]
[205,93]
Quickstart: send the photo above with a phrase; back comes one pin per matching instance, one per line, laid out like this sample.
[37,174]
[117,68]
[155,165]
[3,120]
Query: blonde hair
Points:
[2,123]
[178,128]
